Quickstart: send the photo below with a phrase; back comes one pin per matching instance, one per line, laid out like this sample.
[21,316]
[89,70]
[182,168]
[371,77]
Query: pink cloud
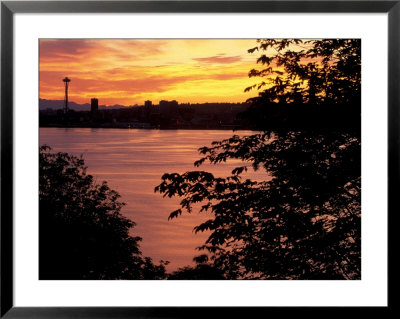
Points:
[221,59]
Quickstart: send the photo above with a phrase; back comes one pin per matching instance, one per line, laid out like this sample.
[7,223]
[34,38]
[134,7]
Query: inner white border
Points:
[370,291]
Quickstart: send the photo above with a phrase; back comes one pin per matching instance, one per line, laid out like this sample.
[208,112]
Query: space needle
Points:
[66,81]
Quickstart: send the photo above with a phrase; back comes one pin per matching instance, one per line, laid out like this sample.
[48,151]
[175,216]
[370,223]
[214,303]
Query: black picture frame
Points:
[9,8]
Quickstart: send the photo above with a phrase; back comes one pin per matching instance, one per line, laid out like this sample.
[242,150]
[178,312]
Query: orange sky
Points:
[128,72]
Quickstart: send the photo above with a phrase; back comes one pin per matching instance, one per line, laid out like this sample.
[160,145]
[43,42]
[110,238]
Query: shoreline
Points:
[153,128]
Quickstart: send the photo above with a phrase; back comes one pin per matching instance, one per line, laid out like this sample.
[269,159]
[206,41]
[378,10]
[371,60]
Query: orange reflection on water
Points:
[132,162]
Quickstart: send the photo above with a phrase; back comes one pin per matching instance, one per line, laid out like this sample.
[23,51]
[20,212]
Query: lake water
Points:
[132,161]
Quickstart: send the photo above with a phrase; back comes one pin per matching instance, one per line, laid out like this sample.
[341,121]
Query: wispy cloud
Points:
[220,59]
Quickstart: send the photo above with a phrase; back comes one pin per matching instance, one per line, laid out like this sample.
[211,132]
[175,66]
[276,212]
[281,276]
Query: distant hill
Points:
[59,104]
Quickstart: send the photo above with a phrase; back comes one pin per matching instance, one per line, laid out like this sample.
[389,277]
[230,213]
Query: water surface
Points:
[132,161]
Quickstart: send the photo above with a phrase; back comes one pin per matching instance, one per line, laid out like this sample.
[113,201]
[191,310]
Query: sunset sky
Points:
[128,72]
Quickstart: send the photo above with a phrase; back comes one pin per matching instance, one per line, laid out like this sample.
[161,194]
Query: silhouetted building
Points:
[94,105]
[168,107]
[147,110]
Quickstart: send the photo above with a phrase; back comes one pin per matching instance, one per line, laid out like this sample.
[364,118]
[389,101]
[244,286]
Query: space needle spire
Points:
[66,83]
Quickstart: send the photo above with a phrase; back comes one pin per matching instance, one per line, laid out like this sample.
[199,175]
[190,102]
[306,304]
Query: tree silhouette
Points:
[314,71]
[303,220]
[82,234]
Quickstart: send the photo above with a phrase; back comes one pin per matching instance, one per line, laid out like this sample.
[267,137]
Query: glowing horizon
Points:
[128,72]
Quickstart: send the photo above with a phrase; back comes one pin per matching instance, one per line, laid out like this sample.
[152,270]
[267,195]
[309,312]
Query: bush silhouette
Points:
[82,234]
[202,271]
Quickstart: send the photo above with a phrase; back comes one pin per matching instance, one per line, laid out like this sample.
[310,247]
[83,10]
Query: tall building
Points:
[94,105]
[168,107]
[148,105]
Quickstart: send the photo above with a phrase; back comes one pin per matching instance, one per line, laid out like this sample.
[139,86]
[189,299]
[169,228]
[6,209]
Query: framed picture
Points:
[233,157]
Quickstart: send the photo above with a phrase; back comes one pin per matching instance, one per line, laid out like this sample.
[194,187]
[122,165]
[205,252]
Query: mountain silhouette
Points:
[59,104]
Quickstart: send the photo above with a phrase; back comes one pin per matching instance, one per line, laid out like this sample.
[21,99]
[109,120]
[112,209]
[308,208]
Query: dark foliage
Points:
[82,234]
[315,72]
[202,271]
[303,220]
[313,84]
